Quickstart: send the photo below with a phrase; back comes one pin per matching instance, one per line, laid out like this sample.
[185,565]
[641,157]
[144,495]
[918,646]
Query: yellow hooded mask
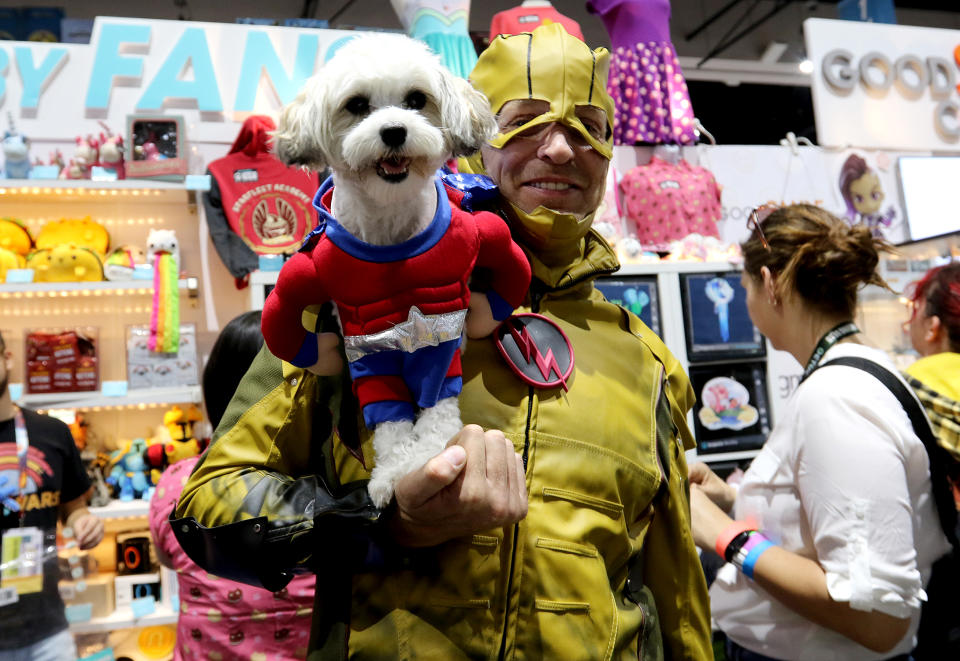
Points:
[552,66]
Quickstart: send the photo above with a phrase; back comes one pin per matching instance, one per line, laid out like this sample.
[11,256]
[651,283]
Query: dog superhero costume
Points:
[401,307]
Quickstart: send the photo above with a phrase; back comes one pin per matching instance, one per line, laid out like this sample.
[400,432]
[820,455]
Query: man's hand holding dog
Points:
[476,483]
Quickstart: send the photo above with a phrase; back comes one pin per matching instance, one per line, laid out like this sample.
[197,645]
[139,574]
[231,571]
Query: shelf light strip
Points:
[64,293]
[142,406]
[103,192]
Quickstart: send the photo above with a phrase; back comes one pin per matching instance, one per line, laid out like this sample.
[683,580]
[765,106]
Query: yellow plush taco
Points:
[10,260]
[82,232]
[15,236]
[65,263]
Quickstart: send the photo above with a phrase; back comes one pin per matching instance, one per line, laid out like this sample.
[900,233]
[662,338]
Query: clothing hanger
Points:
[702,130]
[667,152]
[792,141]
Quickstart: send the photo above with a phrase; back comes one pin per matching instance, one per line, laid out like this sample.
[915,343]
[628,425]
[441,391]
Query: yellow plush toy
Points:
[65,263]
[15,236]
[82,232]
[9,260]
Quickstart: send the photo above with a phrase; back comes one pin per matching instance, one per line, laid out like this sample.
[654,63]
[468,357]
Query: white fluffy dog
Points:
[383,114]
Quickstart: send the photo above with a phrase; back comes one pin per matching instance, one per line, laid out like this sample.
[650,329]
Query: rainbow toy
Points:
[165,316]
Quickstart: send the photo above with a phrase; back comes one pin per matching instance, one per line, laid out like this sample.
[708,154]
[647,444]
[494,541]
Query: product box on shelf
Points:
[150,369]
[127,589]
[96,589]
[133,553]
[61,360]
[156,147]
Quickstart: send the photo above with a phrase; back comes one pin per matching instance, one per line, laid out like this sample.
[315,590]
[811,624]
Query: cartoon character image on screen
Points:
[720,293]
[635,300]
[863,194]
[726,405]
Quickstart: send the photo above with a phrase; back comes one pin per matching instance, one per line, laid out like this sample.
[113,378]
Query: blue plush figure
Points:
[16,154]
[130,474]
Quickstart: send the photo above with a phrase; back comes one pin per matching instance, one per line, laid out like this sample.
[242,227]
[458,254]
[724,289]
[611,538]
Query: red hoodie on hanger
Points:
[257,199]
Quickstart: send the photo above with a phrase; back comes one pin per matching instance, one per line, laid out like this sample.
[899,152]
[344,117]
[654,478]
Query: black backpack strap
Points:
[938,457]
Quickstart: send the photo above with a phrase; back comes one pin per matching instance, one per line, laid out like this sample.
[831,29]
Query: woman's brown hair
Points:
[816,256]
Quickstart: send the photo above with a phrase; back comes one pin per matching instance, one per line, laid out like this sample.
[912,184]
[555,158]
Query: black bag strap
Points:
[938,457]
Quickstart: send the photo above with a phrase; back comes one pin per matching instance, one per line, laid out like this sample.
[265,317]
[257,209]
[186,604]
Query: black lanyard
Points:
[831,337]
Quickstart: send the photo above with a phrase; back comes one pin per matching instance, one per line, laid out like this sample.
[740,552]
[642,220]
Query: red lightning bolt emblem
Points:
[546,364]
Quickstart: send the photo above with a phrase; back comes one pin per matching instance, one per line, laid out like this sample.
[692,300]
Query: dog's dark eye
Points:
[415,100]
[358,105]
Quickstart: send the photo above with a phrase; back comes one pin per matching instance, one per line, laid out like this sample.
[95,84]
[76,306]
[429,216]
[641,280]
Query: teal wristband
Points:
[753,556]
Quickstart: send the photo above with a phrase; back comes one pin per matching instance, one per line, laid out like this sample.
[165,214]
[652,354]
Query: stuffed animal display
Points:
[15,236]
[121,262]
[65,263]
[80,232]
[163,251]
[16,153]
[10,260]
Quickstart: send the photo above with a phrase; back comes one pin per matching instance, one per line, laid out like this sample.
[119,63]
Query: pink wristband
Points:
[731,531]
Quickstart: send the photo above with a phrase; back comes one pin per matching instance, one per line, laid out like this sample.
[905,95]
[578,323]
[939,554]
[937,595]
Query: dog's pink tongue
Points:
[395,165]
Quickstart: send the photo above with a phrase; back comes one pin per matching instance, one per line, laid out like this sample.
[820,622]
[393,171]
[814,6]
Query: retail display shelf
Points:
[65,289]
[675,267]
[95,399]
[52,186]
[119,509]
[264,277]
[124,619]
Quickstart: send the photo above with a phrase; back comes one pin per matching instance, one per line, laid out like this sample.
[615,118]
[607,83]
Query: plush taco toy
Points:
[15,236]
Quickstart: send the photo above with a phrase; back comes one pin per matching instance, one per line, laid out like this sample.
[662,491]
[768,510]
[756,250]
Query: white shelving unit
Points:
[65,289]
[128,209]
[42,186]
[259,282]
[95,399]
[123,620]
[118,509]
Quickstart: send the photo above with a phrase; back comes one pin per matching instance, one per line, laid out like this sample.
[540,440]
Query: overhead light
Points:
[806,66]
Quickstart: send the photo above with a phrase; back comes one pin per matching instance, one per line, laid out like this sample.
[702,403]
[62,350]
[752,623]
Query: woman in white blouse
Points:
[830,538]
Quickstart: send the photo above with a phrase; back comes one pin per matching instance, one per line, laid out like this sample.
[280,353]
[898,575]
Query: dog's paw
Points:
[437,425]
[380,489]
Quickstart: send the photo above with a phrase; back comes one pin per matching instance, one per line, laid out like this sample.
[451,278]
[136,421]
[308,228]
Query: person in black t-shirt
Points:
[34,626]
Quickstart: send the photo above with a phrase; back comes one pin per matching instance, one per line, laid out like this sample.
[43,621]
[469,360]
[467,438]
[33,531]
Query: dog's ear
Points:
[297,140]
[466,115]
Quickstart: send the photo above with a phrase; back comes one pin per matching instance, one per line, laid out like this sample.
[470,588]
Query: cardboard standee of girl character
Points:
[863,195]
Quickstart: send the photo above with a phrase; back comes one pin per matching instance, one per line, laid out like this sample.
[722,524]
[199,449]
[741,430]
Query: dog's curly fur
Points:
[384,114]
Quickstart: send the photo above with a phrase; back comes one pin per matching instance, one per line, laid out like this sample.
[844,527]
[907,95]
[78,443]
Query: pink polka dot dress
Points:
[646,83]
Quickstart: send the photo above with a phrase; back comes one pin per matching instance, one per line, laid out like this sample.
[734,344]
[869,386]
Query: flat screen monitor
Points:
[931,196]
[637,294]
[715,318]
[731,413]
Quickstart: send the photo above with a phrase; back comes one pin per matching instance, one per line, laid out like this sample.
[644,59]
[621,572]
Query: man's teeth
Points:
[551,185]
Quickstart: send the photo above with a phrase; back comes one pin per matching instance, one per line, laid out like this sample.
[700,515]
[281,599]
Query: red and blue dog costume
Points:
[401,307]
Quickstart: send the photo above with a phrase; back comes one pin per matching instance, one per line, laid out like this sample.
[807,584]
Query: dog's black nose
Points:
[393,136]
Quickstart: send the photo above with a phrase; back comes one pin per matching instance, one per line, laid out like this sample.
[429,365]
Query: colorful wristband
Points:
[751,560]
[731,531]
[738,542]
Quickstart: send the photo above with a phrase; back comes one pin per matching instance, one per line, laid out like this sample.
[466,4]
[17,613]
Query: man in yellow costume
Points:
[560,532]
